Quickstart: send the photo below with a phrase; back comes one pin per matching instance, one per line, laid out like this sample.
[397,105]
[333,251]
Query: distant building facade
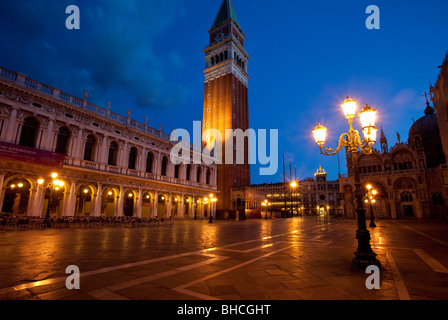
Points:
[111,165]
[312,196]
[410,177]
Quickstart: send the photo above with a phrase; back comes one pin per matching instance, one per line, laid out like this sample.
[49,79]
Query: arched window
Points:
[164,166]
[406,197]
[434,199]
[62,141]
[176,171]
[208,177]
[132,158]
[437,199]
[89,148]
[187,176]
[113,152]
[29,133]
[149,162]
[198,172]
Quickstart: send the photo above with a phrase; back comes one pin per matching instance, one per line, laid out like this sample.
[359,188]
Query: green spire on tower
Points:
[226,12]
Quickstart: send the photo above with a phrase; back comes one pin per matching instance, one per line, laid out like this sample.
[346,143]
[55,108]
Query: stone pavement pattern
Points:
[305,258]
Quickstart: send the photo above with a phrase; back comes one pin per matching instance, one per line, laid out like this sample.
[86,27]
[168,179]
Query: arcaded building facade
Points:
[106,164]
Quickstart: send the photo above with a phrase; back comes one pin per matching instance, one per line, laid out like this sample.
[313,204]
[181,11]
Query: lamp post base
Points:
[364,255]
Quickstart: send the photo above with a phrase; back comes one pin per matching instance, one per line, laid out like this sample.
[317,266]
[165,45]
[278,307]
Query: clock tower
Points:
[226,99]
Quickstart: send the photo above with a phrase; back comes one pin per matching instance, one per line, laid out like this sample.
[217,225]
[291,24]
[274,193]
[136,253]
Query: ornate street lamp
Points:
[53,186]
[370,199]
[351,140]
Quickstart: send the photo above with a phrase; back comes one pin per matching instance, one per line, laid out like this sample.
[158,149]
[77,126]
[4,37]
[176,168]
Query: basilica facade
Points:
[411,178]
[64,156]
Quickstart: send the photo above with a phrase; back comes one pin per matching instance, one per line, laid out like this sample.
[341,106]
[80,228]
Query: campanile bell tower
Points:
[226,96]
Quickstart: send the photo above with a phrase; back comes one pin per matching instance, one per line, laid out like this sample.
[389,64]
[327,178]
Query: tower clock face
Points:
[219,37]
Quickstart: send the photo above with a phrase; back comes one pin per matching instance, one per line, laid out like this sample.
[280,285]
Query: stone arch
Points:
[129,202]
[85,194]
[16,195]
[148,199]
[109,201]
[188,204]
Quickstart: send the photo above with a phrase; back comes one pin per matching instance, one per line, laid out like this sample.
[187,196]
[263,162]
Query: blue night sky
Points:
[306,57]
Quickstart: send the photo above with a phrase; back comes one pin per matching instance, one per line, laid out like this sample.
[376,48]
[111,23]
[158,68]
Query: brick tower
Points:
[226,98]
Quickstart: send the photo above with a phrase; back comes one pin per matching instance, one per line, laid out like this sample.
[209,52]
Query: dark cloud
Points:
[114,54]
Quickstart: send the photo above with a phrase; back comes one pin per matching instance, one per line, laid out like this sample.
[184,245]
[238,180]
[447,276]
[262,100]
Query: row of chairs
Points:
[36,223]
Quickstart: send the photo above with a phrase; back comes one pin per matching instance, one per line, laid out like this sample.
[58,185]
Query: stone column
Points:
[192,208]
[72,202]
[77,152]
[39,201]
[155,205]
[97,201]
[103,155]
[12,126]
[393,209]
[169,207]
[139,204]
[120,203]
[49,138]
[181,208]
[2,190]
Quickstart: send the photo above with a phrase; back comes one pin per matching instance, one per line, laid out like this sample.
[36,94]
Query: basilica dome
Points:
[425,134]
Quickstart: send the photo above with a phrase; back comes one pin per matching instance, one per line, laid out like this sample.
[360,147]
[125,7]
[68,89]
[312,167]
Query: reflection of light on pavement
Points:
[266,238]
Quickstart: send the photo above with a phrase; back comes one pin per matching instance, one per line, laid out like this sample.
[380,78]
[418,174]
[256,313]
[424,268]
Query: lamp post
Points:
[212,201]
[351,140]
[265,204]
[370,199]
[293,185]
[54,185]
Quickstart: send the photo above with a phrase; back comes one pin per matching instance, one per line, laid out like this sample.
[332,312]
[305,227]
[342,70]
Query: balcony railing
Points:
[23,81]
[133,173]
[388,173]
